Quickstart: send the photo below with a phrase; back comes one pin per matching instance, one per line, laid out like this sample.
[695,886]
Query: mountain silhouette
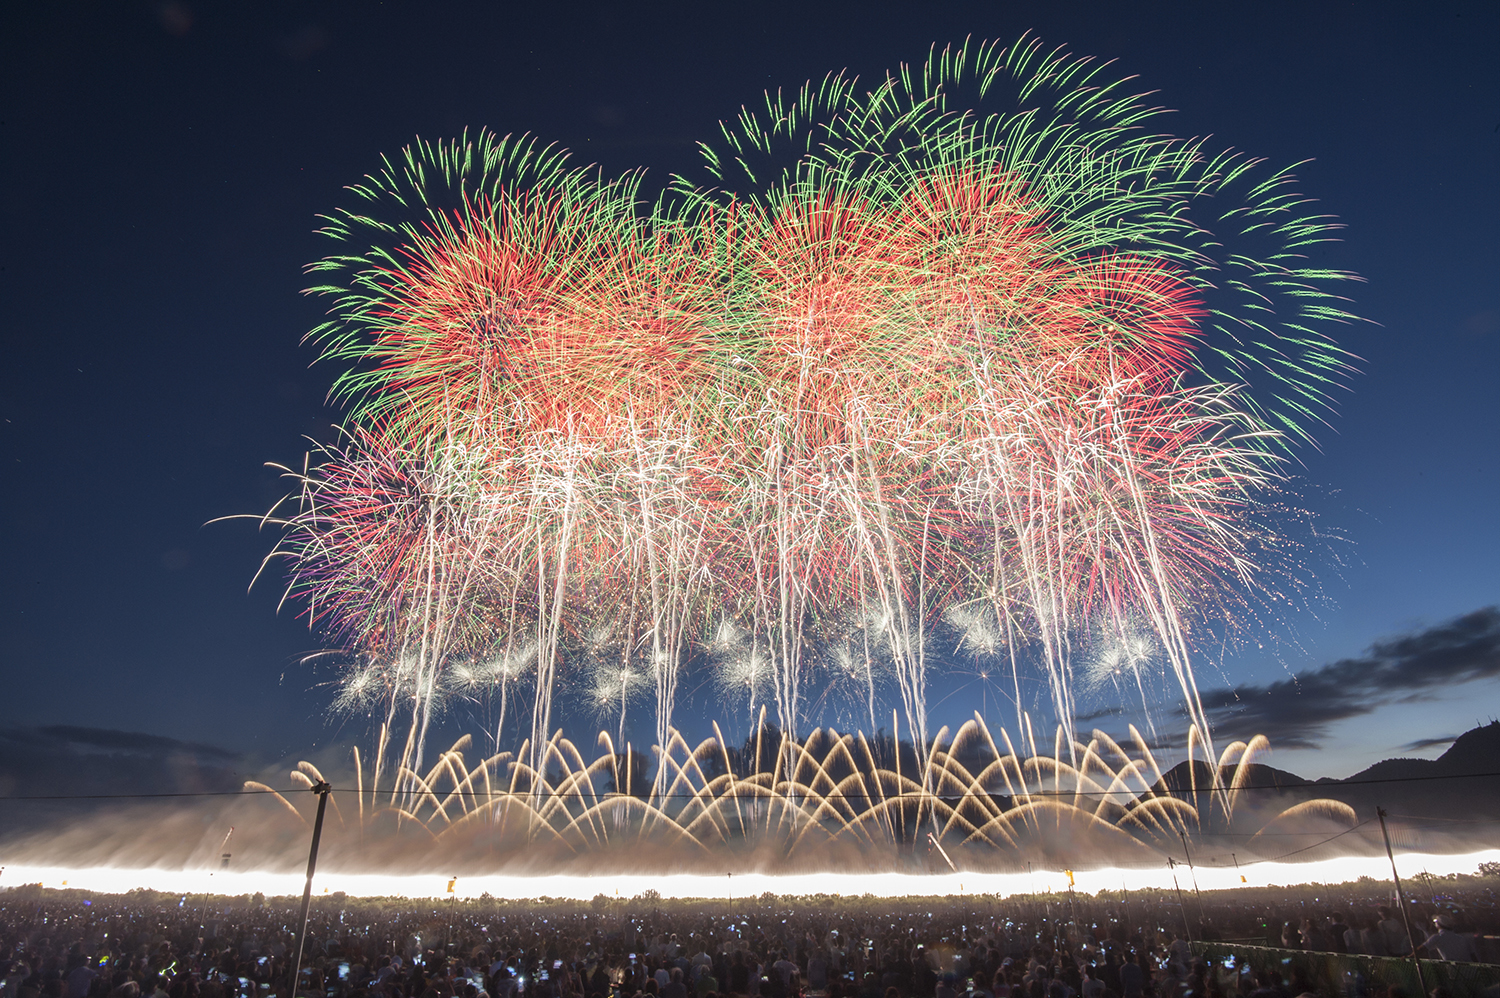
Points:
[1473,752]
[1437,803]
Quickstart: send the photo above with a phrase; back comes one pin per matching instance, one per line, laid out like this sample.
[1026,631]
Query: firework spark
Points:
[911,359]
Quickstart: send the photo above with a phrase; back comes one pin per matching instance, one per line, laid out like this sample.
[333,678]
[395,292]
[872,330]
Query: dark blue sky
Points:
[163,165]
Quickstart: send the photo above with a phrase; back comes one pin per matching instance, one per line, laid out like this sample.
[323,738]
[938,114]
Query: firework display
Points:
[970,800]
[973,362]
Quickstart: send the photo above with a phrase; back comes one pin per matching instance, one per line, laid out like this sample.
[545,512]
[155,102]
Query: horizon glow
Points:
[118,880]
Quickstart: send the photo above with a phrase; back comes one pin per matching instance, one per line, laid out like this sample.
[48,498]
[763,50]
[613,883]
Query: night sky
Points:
[163,167]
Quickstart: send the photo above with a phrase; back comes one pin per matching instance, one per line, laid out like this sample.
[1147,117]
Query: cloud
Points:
[80,762]
[1426,743]
[112,741]
[1297,712]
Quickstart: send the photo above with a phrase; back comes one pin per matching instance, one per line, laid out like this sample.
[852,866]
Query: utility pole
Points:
[1172,865]
[224,858]
[1197,894]
[1401,900]
[322,789]
[452,898]
[1072,904]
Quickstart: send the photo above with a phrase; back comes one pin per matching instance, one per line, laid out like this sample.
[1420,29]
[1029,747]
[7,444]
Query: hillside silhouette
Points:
[1436,801]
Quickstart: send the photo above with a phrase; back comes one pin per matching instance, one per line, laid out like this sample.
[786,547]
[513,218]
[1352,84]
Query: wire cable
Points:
[1134,794]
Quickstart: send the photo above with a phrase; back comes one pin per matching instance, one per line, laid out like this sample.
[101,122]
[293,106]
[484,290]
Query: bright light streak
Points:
[907,357]
[115,880]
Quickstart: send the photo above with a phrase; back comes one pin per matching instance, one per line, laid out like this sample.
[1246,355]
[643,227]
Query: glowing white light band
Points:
[116,880]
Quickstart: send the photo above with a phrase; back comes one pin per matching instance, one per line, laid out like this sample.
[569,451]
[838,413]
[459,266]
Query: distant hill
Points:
[1183,778]
[1475,751]
[1441,797]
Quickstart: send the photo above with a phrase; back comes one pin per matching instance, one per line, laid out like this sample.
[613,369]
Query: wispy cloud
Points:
[1297,712]
[1427,743]
[70,760]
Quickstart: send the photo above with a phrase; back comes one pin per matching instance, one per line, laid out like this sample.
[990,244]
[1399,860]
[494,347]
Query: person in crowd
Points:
[1312,935]
[1338,932]
[674,987]
[817,972]
[1132,976]
[130,947]
[1393,933]
[1447,944]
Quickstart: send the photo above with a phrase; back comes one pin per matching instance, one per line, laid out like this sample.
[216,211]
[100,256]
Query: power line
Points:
[1134,794]
[1334,785]
[195,793]
[1324,842]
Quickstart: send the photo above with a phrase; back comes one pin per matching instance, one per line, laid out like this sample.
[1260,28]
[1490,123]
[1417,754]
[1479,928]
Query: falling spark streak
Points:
[978,805]
[907,350]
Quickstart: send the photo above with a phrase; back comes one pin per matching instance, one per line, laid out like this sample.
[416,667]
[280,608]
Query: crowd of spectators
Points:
[146,945]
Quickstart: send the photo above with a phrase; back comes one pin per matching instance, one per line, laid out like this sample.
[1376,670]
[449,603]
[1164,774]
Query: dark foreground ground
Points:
[1262,942]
